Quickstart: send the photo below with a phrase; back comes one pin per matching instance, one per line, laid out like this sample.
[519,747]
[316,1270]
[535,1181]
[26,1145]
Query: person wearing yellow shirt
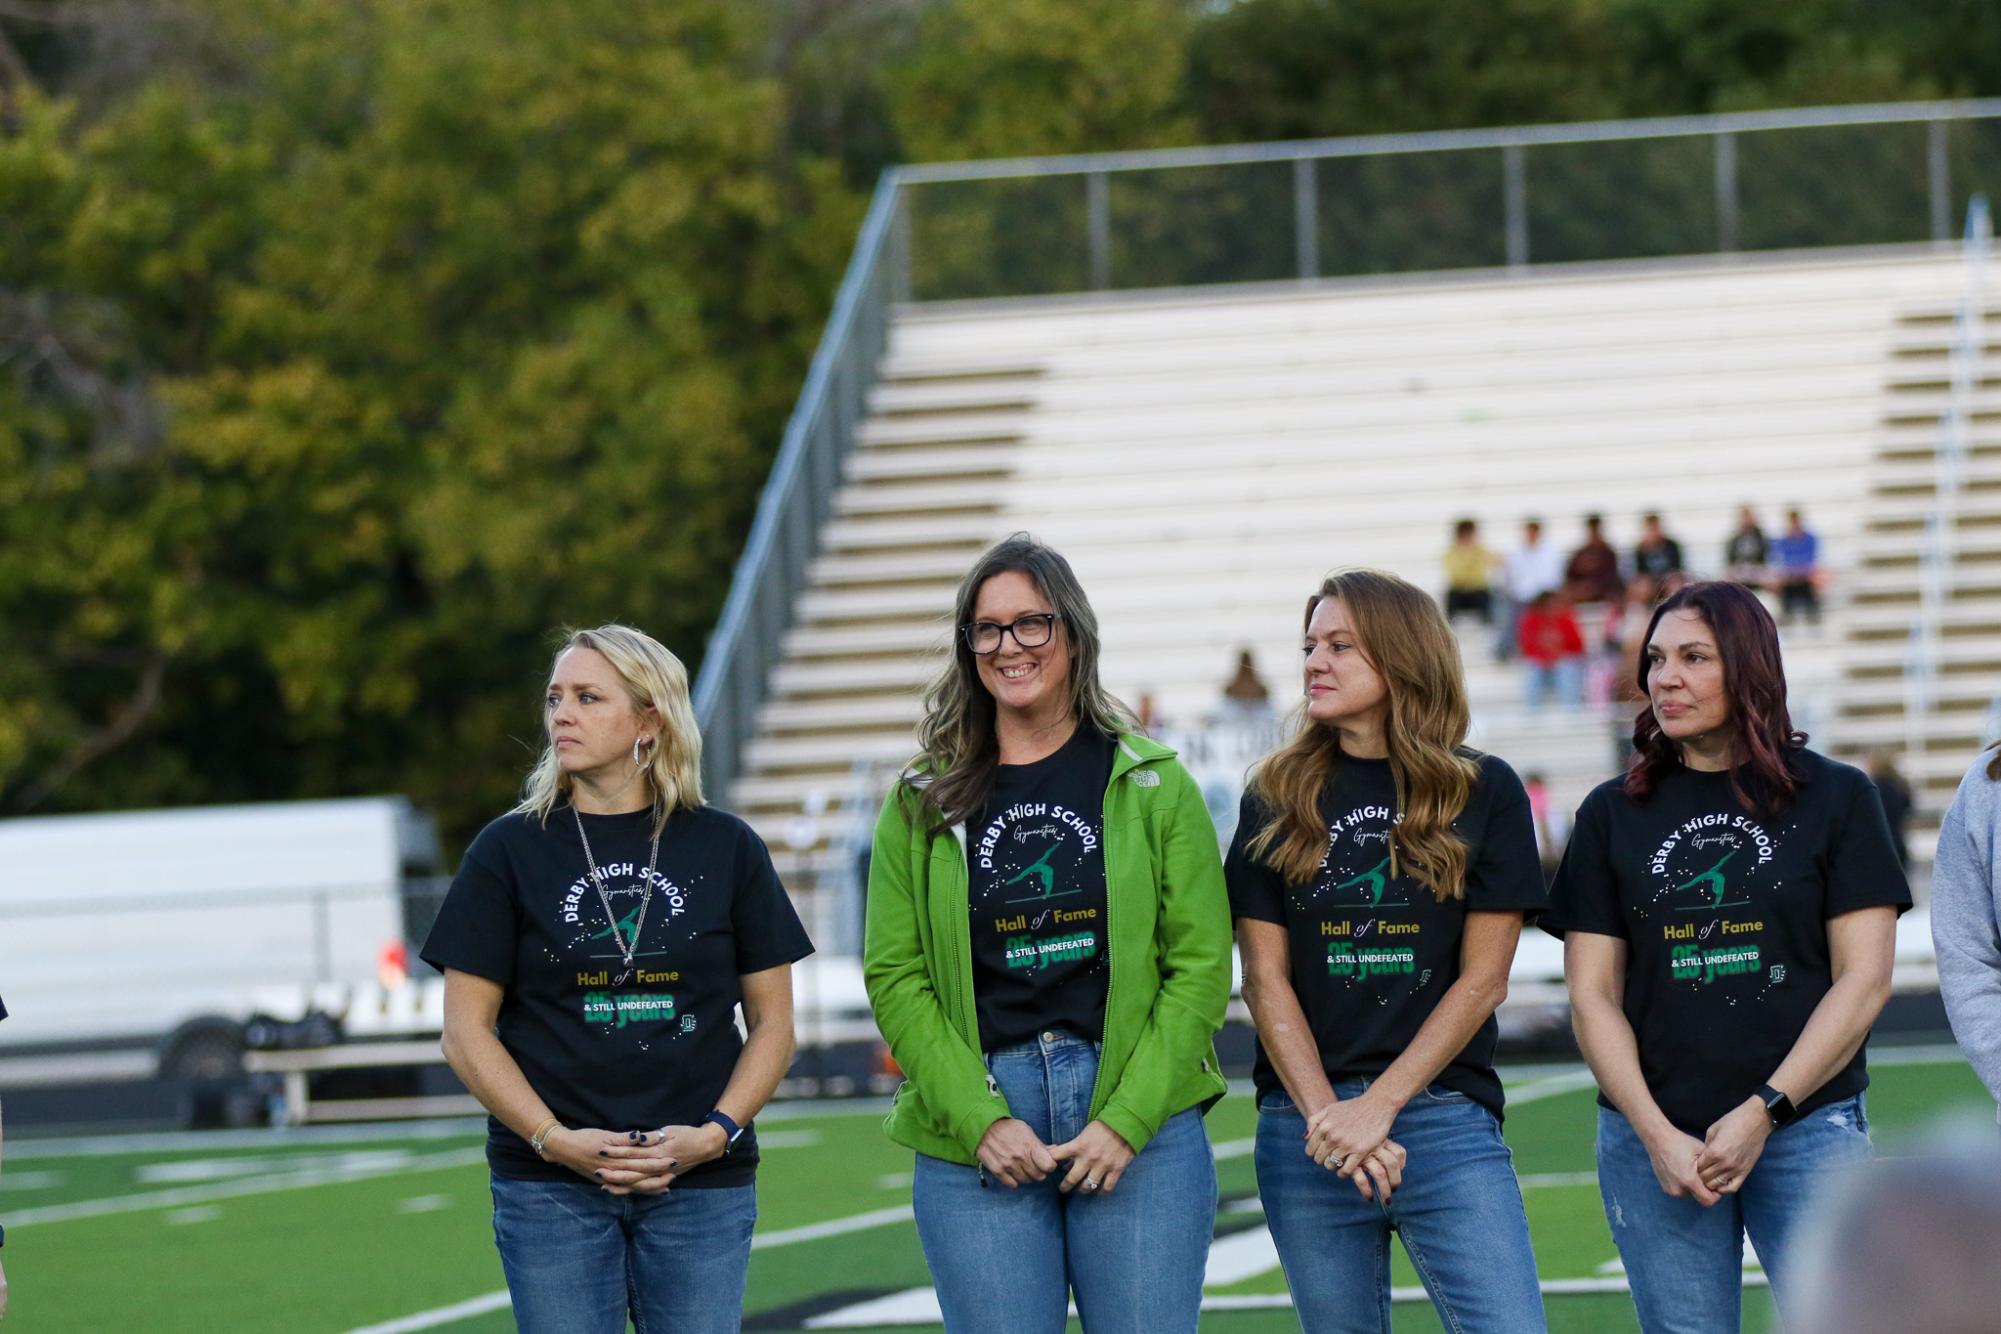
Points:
[1469,572]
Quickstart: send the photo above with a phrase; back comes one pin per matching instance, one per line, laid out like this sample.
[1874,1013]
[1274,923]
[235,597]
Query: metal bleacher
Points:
[1204,454]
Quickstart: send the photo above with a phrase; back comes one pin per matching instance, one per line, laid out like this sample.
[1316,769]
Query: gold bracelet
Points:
[540,1138]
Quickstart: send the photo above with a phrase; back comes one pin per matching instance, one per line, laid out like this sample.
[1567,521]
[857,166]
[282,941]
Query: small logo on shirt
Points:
[1144,778]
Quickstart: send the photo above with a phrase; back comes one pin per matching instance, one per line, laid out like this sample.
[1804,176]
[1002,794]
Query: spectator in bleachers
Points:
[1657,554]
[1728,910]
[1744,553]
[1379,876]
[1246,699]
[1534,567]
[1469,574]
[1626,631]
[1796,562]
[1552,649]
[1552,825]
[1593,572]
[1895,791]
[1147,714]
[1625,638]
[1056,1119]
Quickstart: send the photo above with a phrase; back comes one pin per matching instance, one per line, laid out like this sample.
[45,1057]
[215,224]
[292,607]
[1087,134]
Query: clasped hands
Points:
[1014,1155]
[1351,1137]
[636,1162]
[1716,1165]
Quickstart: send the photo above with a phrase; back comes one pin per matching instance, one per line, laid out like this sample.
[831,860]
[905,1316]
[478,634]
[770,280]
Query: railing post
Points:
[1515,203]
[1938,164]
[899,248]
[1098,210]
[1726,191]
[1306,216]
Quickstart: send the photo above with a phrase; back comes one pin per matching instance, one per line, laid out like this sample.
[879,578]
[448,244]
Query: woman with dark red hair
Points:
[1728,909]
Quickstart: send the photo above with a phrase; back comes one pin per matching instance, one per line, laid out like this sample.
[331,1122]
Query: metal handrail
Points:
[1939,552]
[797,496]
[1433,141]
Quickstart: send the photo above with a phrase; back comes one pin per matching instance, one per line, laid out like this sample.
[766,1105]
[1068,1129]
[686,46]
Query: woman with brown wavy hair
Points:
[1729,910]
[1379,878]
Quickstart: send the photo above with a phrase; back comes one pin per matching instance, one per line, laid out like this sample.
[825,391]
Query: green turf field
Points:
[345,1229]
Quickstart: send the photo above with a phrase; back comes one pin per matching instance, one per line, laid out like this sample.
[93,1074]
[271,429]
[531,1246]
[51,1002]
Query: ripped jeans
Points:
[1685,1262]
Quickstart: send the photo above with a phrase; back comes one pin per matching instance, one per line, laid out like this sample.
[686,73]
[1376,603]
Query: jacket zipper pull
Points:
[993,1086]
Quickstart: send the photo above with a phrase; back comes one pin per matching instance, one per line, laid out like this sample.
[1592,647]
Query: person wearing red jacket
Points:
[1552,648]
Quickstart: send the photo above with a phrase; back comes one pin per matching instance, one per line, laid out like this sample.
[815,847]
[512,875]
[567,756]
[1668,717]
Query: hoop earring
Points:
[638,756]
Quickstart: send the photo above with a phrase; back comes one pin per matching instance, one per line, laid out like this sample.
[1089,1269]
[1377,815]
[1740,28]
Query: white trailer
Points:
[137,943]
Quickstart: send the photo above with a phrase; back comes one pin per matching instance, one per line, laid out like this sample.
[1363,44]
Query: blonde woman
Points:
[596,944]
[1379,878]
[1049,958]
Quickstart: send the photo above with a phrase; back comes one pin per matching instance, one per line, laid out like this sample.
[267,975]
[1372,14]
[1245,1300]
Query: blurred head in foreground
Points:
[1908,1243]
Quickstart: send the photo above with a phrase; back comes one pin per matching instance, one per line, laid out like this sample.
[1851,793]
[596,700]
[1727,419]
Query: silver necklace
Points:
[625,947]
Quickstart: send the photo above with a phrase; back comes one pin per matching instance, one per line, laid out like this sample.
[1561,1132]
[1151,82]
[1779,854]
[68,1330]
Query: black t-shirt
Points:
[1036,891]
[1371,954]
[1658,560]
[658,1049]
[1724,914]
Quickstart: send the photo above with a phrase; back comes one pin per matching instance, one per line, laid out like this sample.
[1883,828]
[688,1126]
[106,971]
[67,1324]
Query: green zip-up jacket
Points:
[1168,933]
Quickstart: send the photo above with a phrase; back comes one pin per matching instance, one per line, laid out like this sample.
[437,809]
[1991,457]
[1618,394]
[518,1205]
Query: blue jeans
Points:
[1005,1261]
[1685,1262]
[1459,1212]
[1563,678]
[579,1261]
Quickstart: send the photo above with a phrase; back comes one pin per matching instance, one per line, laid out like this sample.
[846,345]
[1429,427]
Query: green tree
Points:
[1000,78]
[448,325]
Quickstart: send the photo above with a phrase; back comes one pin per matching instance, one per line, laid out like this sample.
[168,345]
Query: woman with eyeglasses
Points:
[1048,956]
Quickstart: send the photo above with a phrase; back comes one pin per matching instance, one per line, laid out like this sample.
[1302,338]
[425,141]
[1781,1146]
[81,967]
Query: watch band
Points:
[730,1128]
[1778,1106]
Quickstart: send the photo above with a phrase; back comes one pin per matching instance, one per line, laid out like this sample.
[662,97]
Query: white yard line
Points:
[1938,1053]
[919,1306]
[277,1182]
[1239,1256]
[174,1141]
[838,1227]
[1549,1086]
[497,1301]
[443,1315]
[1545,1179]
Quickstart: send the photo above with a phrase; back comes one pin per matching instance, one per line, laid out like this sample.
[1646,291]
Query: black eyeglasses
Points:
[1030,631]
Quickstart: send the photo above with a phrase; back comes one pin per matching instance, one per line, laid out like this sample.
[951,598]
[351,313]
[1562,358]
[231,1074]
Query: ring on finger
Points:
[1090,1183]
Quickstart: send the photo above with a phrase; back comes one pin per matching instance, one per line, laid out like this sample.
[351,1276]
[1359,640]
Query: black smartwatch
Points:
[1777,1106]
[731,1130]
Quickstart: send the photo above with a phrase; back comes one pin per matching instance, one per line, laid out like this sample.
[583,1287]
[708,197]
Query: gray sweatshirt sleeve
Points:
[1964,924]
